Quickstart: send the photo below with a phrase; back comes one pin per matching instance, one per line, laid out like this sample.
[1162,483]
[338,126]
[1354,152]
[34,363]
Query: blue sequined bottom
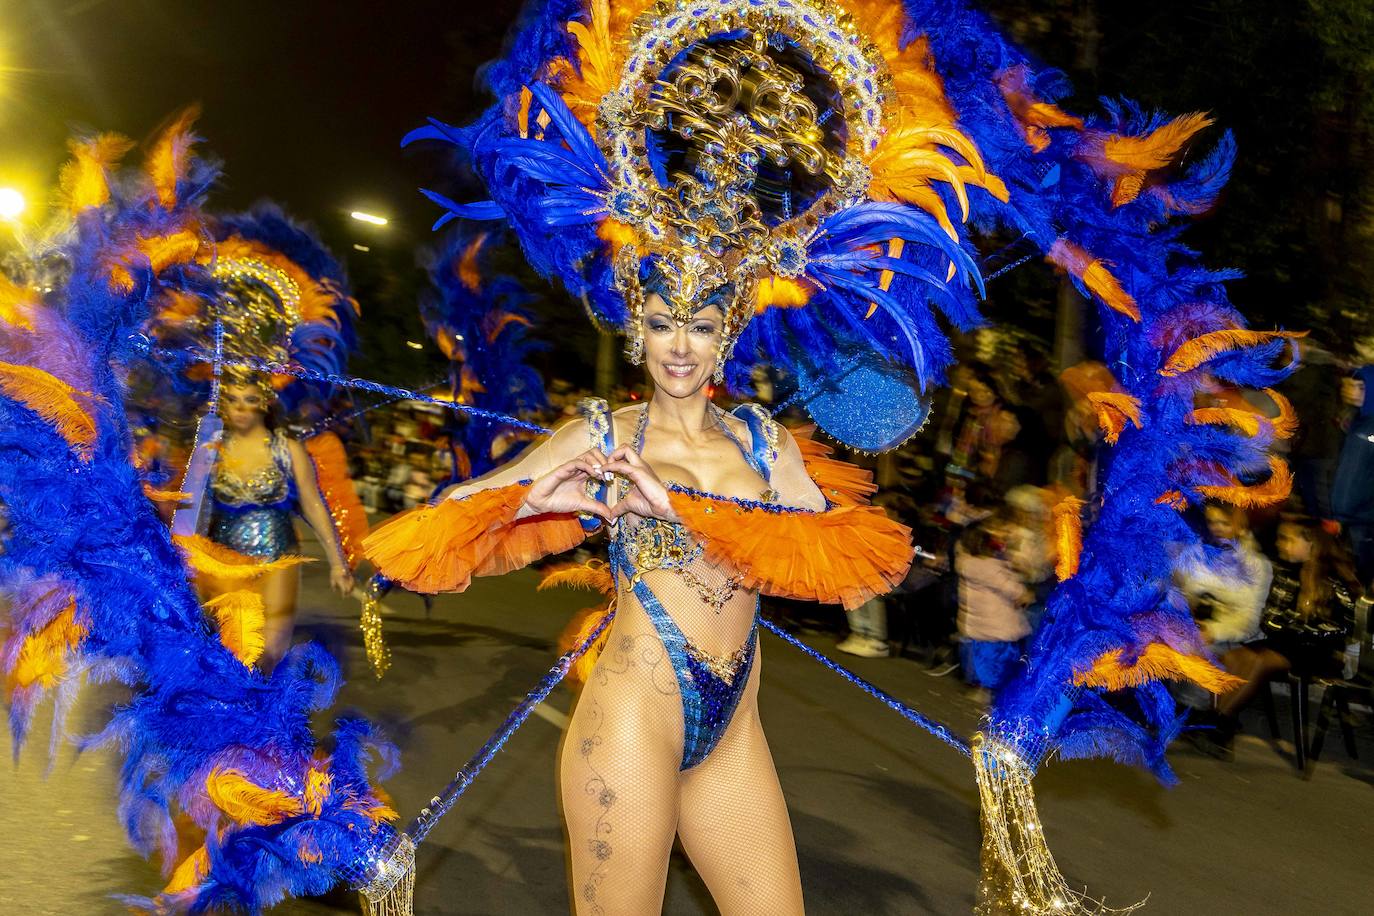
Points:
[708,701]
[261,532]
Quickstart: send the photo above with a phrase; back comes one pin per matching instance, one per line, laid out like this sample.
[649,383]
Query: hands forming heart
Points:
[563,490]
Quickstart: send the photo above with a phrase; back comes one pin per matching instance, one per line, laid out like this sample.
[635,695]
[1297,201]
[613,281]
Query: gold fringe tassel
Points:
[1019,875]
[392,891]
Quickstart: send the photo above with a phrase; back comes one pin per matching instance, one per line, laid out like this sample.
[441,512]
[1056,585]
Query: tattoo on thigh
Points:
[597,788]
[642,651]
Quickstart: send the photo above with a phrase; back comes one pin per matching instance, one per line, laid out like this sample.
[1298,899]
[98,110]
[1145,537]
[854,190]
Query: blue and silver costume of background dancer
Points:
[253,515]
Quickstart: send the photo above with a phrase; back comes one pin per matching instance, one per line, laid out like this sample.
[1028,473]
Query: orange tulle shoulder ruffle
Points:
[842,483]
[845,555]
[440,548]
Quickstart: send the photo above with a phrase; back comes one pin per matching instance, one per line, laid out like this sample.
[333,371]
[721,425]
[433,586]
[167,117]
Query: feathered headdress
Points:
[790,161]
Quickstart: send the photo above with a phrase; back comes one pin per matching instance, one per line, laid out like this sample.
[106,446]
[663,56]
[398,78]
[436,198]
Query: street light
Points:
[414,346]
[362,217]
[11,204]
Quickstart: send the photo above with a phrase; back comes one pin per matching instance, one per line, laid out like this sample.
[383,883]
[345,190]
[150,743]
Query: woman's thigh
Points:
[734,824]
[278,590]
[618,776]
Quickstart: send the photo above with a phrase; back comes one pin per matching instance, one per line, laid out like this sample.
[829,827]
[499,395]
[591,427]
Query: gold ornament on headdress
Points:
[743,113]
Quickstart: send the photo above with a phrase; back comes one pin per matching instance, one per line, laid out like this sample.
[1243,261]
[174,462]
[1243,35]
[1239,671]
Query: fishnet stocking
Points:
[624,795]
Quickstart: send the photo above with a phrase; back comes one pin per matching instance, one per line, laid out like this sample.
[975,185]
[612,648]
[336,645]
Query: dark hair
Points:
[979,540]
[1330,560]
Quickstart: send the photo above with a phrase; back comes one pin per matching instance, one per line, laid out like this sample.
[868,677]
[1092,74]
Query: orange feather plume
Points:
[1130,159]
[246,802]
[1114,410]
[241,619]
[616,234]
[1173,499]
[1158,662]
[17,303]
[1205,347]
[468,273]
[496,322]
[1274,490]
[1286,423]
[165,496]
[318,784]
[1246,421]
[161,252]
[594,575]
[84,181]
[582,625]
[845,555]
[317,298]
[842,483]
[1068,536]
[1036,117]
[1095,275]
[206,557]
[601,45]
[170,155]
[340,497]
[189,874]
[43,655]
[56,402]
[781,293]
[1156,149]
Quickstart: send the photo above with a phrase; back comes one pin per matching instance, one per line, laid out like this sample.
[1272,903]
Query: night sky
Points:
[305,103]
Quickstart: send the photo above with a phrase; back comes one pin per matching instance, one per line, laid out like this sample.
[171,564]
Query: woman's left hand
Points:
[341,579]
[647,496]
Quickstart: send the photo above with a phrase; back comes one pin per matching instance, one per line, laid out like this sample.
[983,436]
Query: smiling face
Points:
[680,357]
[243,407]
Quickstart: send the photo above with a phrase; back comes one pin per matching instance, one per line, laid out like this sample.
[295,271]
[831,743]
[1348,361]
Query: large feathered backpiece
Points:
[95,585]
[837,161]
[480,320]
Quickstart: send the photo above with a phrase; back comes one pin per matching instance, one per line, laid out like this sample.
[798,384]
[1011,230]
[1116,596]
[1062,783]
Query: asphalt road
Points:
[885,816]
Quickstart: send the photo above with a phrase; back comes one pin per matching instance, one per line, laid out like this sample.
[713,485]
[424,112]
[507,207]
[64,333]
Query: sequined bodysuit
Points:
[253,515]
[710,685]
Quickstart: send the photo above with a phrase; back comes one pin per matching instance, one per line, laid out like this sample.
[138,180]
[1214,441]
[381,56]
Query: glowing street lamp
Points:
[369,218]
[11,205]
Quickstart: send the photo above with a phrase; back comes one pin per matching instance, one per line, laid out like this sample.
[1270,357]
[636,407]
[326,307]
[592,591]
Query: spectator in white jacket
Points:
[1228,601]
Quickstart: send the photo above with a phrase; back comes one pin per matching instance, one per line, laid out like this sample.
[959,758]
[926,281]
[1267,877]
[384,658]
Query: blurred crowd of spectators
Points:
[1007,441]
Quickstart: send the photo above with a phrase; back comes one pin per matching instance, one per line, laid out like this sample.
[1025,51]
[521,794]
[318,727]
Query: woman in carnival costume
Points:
[801,183]
[96,586]
[279,305]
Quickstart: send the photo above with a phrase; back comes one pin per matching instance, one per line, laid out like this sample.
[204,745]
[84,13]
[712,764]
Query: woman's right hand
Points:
[564,489]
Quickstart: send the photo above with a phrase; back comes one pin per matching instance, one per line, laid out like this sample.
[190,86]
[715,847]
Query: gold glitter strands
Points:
[1019,875]
[370,622]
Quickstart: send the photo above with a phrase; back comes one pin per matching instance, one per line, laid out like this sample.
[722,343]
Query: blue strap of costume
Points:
[763,432]
[602,435]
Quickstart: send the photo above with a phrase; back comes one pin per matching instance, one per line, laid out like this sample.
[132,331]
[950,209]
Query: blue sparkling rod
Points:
[906,712]
[441,803]
[198,355]
[343,418]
